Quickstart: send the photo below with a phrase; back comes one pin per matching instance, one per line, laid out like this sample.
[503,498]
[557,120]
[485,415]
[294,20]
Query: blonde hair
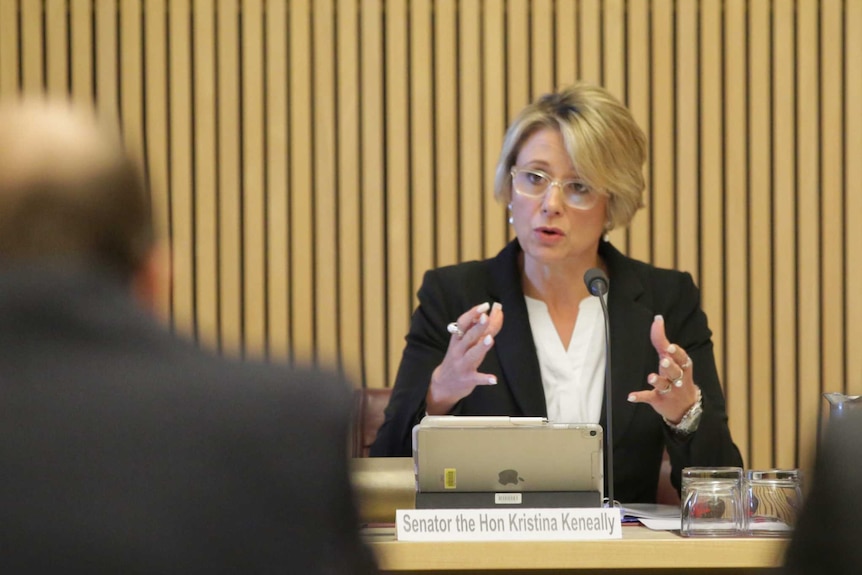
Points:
[606,146]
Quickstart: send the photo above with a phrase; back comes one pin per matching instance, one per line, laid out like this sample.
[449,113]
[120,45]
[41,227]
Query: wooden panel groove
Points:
[277,182]
[229,178]
[254,218]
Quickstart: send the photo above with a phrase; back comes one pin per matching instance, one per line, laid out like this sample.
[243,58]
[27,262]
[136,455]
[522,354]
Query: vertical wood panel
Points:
[206,161]
[470,142]
[348,171]
[325,206]
[254,222]
[131,76]
[277,177]
[32,52]
[229,178]
[400,299]
[446,126]
[301,184]
[762,404]
[517,56]
[9,39]
[81,16]
[613,48]
[736,224]
[853,196]
[494,120]
[686,133]
[542,48]
[711,180]
[374,273]
[808,224]
[56,47]
[614,64]
[107,99]
[424,227]
[156,94]
[784,238]
[662,159]
[589,34]
[566,24]
[639,102]
[180,130]
[832,197]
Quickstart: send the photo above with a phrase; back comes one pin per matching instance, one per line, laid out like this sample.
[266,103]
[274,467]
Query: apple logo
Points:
[508,476]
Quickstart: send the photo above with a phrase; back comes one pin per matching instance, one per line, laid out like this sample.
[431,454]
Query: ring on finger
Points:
[686,365]
[678,381]
[665,390]
[454,329]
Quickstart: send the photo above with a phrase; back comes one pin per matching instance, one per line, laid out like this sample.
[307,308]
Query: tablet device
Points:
[506,454]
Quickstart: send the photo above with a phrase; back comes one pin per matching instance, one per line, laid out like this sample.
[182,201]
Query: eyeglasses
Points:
[536,183]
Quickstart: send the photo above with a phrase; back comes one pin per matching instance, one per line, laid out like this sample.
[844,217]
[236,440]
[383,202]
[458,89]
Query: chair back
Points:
[368,407]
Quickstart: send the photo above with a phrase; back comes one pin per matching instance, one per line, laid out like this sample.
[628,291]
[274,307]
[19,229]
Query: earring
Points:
[511,218]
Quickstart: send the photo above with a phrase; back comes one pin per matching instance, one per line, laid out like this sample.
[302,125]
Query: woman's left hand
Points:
[674,391]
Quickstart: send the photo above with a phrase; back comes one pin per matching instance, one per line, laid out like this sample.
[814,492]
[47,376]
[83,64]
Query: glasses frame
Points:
[515,170]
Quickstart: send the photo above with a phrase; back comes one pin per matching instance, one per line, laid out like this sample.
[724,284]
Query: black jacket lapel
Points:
[630,321]
[515,348]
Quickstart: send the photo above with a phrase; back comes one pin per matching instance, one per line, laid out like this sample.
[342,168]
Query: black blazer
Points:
[125,449]
[637,293]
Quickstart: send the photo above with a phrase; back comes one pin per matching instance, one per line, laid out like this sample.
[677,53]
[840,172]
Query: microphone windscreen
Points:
[596,281]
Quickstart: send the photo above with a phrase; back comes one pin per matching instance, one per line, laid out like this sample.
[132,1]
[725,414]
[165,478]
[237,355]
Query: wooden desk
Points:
[640,551]
[386,484]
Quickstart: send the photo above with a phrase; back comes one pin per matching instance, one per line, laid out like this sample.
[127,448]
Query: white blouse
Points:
[573,376]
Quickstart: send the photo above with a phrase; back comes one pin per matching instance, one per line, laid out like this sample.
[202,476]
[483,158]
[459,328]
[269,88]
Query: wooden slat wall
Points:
[311,159]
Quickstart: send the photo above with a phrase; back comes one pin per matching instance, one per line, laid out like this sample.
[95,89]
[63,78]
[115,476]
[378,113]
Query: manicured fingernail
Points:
[659,317]
[483,319]
[665,363]
[671,349]
[631,398]
[492,380]
[488,340]
[483,307]
[652,378]
[678,382]
[497,305]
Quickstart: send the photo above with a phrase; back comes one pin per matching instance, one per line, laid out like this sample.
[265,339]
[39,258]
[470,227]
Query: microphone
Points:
[597,284]
[597,281]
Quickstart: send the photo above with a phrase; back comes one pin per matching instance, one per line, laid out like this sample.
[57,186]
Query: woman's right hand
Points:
[457,376]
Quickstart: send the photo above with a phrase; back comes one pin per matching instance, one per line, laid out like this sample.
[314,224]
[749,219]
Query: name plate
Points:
[507,524]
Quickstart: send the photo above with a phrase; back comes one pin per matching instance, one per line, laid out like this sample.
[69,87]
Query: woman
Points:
[570,171]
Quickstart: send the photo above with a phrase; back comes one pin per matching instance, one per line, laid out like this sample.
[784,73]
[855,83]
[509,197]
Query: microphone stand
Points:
[609,432]
[597,285]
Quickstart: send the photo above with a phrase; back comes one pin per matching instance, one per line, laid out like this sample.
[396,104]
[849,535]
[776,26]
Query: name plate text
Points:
[507,524]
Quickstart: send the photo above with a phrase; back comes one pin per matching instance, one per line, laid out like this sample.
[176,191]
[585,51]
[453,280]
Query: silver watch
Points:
[689,422]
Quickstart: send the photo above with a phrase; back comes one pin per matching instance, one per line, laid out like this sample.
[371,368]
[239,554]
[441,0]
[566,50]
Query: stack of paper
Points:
[656,516]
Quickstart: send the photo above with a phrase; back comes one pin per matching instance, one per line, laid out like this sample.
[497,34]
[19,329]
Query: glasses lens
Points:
[530,183]
[579,195]
[535,184]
